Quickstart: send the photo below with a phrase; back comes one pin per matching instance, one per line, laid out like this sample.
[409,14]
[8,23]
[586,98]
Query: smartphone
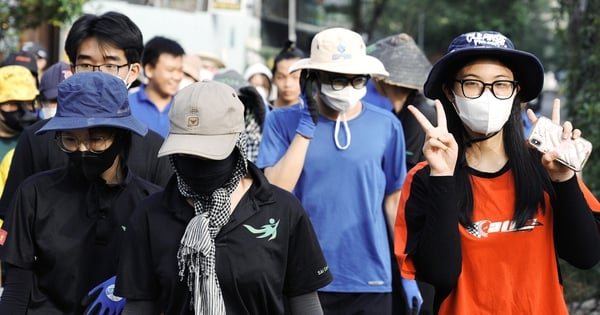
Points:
[546,136]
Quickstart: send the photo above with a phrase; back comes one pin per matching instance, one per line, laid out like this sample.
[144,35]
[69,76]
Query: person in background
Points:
[18,94]
[408,67]
[162,60]
[344,159]
[260,77]
[25,59]
[41,56]
[109,43]
[485,212]
[286,83]
[53,76]
[63,235]
[209,65]
[254,109]
[219,239]
[191,66]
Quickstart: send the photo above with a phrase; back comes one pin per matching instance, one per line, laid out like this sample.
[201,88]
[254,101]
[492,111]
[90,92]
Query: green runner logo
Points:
[265,230]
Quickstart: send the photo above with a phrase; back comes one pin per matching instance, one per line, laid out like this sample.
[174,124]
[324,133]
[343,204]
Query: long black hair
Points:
[530,177]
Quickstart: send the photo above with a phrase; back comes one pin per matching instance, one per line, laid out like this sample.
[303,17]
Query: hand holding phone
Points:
[546,136]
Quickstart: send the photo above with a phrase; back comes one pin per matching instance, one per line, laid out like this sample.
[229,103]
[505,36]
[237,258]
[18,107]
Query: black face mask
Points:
[205,176]
[92,165]
[20,118]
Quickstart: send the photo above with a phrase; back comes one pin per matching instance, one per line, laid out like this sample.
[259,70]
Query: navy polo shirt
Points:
[266,252]
[68,232]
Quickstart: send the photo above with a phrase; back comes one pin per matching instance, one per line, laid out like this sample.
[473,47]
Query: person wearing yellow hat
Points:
[18,92]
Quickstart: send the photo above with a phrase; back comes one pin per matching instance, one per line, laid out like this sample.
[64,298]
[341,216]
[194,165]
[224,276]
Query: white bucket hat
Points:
[340,50]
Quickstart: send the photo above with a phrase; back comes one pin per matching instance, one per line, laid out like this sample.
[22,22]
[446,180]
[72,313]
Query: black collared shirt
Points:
[37,153]
[68,233]
[266,252]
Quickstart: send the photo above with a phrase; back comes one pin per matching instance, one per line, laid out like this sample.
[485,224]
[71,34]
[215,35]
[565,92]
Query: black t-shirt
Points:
[36,153]
[68,232]
[266,252]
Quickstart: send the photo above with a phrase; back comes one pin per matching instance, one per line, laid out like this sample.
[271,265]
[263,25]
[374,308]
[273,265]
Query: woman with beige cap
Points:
[219,239]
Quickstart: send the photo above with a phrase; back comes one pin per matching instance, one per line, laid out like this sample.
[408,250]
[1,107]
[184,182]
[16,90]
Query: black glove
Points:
[308,82]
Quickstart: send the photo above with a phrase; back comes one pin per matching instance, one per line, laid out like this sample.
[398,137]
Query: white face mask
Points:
[126,77]
[343,99]
[48,112]
[485,114]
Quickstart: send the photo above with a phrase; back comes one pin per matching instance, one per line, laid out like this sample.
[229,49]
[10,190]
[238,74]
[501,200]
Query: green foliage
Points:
[579,285]
[25,14]
[527,23]
[583,77]
[536,26]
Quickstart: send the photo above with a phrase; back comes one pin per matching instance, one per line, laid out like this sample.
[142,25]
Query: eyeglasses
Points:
[95,144]
[107,68]
[338,83]
[501,89]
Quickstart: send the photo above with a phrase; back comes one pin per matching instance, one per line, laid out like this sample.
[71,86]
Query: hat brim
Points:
[369,65]
[214,147]
[526,67]
[70,123]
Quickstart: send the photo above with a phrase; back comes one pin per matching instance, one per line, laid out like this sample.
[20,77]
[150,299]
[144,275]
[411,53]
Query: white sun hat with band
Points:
[340,50]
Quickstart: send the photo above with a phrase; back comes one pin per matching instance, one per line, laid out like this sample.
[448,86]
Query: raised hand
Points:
[440,148]
[557,171]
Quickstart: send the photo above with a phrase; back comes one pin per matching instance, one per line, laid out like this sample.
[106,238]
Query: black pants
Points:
[356,303]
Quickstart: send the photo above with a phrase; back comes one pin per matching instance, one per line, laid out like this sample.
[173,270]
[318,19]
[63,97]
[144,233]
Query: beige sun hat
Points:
[340,50]
[407,64]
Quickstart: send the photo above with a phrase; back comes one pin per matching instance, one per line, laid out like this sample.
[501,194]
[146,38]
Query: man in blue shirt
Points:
[162,60]
[346,166]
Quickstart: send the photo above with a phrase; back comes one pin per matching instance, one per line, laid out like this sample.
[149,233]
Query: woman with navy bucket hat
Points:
[63,236]
[485,218]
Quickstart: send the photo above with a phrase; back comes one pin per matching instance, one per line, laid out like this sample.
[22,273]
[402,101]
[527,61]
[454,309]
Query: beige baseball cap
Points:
[205,120]
[340,50]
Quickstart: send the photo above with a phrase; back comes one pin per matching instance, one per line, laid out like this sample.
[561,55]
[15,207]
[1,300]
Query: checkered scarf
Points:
[196,254]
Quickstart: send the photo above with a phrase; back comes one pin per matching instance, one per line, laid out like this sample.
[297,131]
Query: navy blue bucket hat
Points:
[93,99]
[526,67]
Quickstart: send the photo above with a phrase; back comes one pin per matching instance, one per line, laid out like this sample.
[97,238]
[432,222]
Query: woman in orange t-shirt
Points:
[485,217]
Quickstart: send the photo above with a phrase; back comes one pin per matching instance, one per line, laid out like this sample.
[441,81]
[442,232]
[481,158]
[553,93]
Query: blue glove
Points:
[414,300]
[310,113]
[306,126]
[104,301]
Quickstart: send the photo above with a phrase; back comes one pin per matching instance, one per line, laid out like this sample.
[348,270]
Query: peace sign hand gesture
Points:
[440,148]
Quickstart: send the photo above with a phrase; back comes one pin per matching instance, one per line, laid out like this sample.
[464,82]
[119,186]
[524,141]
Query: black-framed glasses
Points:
[501,89]
[95,143]
[339,82]
[106,68]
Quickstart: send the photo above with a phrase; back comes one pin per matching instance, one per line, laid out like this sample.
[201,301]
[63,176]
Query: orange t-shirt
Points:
[504,270]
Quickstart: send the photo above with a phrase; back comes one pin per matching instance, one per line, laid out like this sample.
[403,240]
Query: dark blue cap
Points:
[526,67]
[93,99]
[54,75]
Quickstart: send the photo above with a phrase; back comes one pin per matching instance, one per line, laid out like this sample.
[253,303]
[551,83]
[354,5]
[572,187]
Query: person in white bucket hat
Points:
[347,180]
